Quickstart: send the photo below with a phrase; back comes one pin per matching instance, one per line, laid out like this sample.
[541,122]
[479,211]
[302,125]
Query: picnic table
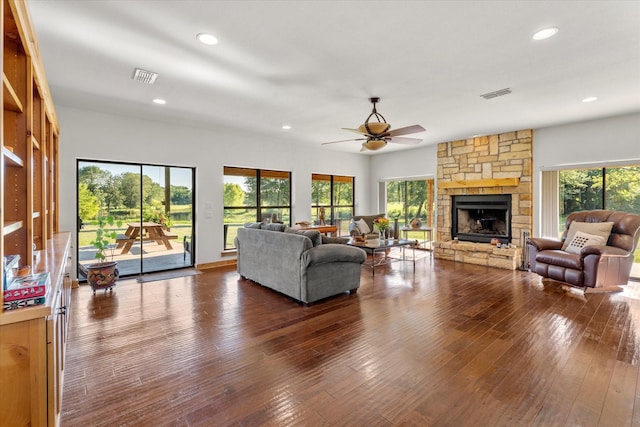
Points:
[151,231]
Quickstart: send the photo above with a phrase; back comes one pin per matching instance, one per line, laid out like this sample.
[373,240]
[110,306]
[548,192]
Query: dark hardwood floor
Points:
[451,345]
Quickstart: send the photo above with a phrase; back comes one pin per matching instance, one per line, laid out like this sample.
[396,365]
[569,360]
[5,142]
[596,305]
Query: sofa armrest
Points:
[331,252]
[542,244]
[603,250]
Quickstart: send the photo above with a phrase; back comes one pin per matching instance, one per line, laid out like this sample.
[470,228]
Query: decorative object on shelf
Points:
[26,291]
[104,274]
[396,230]
[415,223]
[494,241]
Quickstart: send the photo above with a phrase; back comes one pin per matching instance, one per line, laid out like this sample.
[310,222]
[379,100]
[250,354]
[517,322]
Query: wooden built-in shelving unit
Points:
[32,340]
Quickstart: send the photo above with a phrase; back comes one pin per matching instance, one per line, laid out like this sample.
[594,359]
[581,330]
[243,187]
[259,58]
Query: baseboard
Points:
[216,264]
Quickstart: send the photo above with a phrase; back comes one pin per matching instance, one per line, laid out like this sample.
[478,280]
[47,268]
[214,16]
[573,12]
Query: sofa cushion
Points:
[363,227]
[580,240]
[367,218]
[253,225]
[313,235]
[335,240]
[602,229]
[274,227]
[560,259]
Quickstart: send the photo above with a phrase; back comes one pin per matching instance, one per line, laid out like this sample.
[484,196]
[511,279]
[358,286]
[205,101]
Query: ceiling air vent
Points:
[144,76]
[497,93]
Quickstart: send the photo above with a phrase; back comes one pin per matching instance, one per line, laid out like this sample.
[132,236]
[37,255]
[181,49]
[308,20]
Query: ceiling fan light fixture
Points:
[374,144]
[375,128]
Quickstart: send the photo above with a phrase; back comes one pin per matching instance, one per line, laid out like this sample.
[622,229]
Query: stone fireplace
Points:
[481,218]
[469,170]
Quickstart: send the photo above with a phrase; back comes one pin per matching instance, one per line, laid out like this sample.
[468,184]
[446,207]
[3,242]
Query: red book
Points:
[28,287]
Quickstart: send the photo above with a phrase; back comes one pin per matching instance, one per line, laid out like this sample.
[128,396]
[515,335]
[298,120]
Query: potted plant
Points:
[104,274]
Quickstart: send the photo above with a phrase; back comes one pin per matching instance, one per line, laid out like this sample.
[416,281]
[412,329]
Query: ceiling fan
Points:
[377,134]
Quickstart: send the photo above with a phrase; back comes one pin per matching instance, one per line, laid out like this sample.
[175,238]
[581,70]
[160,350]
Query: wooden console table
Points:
[324,229]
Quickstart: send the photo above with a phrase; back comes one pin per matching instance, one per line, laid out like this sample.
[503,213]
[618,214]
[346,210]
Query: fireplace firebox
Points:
[480,218]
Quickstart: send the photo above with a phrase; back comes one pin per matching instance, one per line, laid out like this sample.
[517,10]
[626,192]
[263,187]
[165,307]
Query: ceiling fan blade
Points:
[402,140]
[357,131]
[344,140]
[406,130]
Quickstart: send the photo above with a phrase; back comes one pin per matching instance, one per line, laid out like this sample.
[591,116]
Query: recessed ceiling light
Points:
[159,101]
[545,34]
[286,127]
[590,99]
[207,39]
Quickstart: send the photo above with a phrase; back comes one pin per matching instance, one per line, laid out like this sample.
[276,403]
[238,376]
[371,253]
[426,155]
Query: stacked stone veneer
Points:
[473,160]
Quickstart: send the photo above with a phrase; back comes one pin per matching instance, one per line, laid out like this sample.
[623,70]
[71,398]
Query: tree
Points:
[152,192]
[623,189]
[130,189]
[111,193]
[320,192]
[181,195]
[95,178]
[233,194]
[88,203]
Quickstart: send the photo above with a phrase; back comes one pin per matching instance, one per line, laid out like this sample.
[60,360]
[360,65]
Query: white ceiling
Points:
[314,64]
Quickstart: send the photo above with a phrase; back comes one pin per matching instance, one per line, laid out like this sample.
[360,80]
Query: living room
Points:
[99,126]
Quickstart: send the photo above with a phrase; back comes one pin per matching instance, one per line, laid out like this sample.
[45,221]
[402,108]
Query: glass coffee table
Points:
[373,246]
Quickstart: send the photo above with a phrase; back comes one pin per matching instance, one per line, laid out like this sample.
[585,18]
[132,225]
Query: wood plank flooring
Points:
[449,345]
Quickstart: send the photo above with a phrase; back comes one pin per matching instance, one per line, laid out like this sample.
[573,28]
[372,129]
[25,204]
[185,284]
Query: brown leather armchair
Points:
[596,265]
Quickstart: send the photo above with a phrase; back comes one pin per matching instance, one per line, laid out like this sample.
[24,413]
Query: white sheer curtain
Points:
[550,204]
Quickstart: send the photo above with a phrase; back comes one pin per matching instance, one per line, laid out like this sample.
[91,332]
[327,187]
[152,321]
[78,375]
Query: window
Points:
[334,194]
[253,195]
[410,199]
[613,188]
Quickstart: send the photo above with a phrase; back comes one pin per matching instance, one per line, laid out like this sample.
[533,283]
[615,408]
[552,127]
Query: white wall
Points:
[595,143]
[416,163]
[98,136]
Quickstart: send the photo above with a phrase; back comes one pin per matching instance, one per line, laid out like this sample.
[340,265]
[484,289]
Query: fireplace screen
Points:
[481,218]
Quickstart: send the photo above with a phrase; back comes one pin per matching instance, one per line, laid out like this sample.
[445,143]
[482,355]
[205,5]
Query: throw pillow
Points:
[273,227]
[362,226]
[602,229]
[338,240]
[253,225]
[580,240]
[313,235]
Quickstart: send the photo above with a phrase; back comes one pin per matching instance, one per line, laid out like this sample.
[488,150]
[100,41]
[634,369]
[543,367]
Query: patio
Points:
[155,257]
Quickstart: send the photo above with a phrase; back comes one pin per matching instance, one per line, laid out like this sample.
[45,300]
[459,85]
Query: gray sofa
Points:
[373,234]
[296,264]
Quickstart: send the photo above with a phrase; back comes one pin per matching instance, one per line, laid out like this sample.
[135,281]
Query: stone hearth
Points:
[494,164]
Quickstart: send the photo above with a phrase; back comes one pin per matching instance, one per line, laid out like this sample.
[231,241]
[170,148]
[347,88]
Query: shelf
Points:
[11,100]
[11,159]
[11,227]
[477,183]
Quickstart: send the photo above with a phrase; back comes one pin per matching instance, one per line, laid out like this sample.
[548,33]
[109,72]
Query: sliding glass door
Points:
[153,206]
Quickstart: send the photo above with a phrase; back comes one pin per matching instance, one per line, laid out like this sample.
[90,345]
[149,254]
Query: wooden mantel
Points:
[475,183]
